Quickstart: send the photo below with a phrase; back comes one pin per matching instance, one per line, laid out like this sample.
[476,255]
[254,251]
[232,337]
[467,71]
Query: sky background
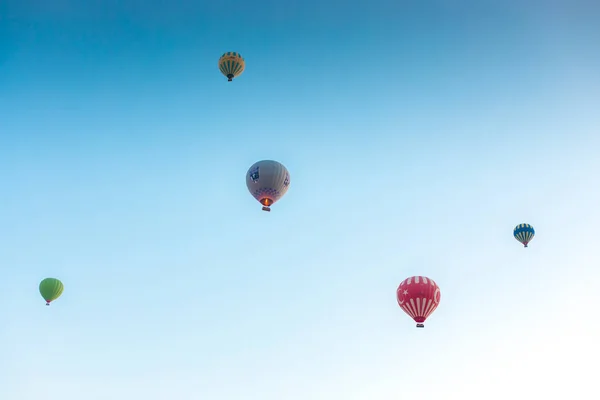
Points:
[416,135]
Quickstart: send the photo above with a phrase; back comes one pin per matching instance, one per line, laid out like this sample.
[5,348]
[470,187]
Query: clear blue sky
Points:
[417,137]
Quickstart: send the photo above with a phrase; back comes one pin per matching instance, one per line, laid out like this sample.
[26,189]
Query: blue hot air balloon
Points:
[524,233]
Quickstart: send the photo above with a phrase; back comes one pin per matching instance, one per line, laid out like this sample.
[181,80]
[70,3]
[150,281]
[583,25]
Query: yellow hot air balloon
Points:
[231,65]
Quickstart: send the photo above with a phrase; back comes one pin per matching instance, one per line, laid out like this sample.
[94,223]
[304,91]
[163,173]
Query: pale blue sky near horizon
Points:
[416,136]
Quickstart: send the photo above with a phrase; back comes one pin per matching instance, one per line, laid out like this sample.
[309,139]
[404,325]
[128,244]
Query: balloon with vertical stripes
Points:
[51,289]
[418,296]
[231,64]
[524,233]
[267,181]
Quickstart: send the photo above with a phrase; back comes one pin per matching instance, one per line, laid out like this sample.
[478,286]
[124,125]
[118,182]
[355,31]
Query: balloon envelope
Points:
[267,181]
[51,289]
[418,296]
[231,64]
[524,233]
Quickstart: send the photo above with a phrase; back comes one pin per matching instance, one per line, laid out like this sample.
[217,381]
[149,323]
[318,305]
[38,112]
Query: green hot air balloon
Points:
[51,289]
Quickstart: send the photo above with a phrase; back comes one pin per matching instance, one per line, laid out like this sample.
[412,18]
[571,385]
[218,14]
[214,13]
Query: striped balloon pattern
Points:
[231,65]
[51,289]
[267,181]
[418,296]
[524,233]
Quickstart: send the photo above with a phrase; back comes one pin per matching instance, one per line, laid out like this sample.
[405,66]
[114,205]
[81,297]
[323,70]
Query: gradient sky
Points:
[417,137]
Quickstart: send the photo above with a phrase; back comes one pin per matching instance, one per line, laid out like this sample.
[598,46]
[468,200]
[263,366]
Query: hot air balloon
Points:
[524,233]
[267,181]
[418,296]
[51,289]
[231,65]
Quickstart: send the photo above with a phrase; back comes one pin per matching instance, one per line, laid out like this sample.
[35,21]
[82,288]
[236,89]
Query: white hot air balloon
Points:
[267,181]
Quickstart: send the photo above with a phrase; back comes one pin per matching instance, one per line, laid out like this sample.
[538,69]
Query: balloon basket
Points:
[420,326]
[268,209]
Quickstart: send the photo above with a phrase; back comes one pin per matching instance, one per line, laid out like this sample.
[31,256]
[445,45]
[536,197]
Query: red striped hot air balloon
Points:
[418,296]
